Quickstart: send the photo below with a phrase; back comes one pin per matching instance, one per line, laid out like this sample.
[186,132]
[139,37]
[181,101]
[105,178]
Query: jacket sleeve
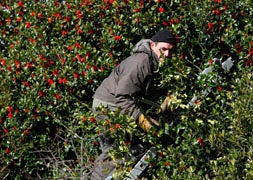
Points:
[132,82]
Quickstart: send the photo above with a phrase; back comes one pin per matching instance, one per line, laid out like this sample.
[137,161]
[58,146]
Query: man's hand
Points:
[165,104]
[146,122]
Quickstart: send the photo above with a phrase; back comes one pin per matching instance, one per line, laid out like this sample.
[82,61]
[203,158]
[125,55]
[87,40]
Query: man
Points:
[128,83]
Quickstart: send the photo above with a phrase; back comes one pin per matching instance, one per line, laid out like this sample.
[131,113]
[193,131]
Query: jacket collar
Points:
[143,46]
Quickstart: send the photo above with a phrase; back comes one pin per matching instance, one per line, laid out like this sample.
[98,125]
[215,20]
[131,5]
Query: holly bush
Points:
[54,54]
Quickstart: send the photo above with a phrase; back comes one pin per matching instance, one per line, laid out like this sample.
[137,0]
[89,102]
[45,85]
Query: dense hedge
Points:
[54,54]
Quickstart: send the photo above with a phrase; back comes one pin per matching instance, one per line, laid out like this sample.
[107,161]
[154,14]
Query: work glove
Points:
[166,102]
[146,122]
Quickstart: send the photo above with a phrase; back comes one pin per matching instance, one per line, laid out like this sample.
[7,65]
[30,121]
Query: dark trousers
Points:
[104,165]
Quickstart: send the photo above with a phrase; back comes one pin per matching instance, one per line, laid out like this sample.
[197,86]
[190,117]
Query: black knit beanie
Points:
[165,36]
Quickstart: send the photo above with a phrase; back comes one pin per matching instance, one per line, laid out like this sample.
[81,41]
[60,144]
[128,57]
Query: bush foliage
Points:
[54,55]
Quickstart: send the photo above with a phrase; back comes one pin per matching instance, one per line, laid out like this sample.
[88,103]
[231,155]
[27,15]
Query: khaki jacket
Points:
[130,80]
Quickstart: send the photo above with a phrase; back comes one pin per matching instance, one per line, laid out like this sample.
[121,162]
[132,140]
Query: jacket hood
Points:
[143,46]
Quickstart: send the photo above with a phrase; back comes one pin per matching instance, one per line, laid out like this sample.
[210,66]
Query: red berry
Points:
[7,150]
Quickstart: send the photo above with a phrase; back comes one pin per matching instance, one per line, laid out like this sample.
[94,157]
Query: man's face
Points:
[162,50]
